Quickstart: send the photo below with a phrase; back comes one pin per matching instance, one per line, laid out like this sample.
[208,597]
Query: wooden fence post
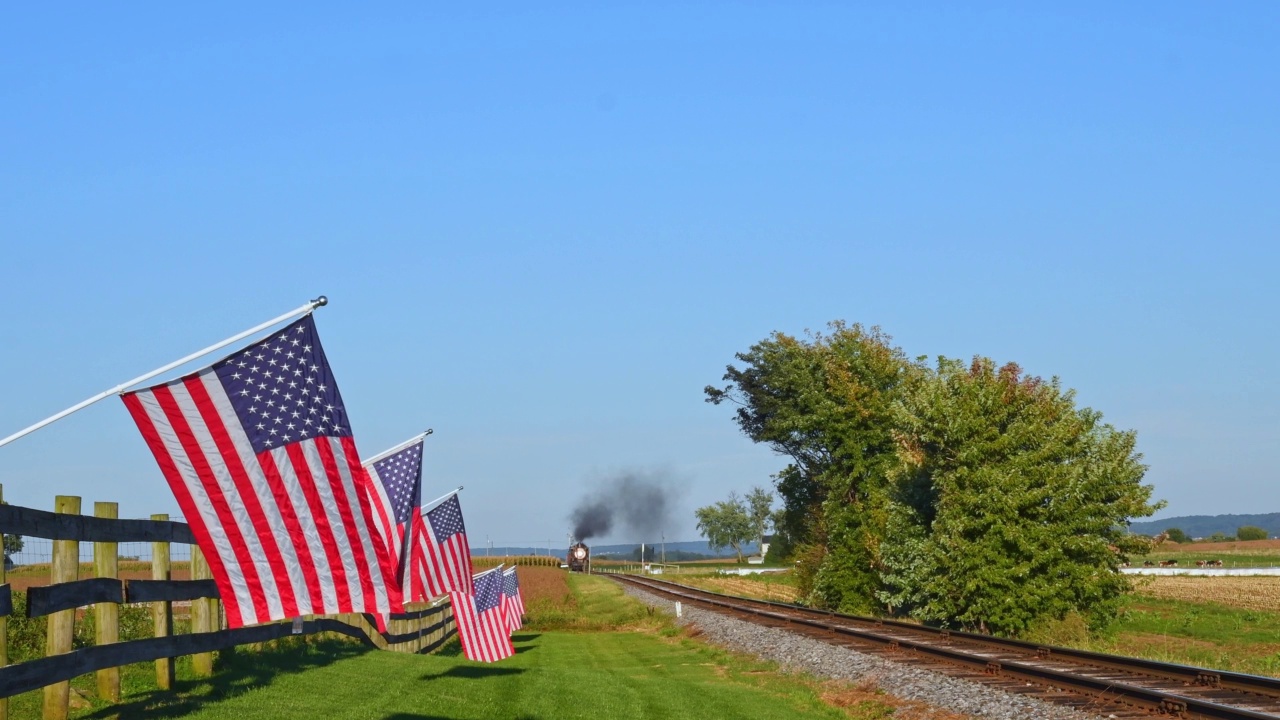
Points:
[4,626]
[162,612]
[419,642]
[215,609]
[58,638]
[201,615]
[106,564]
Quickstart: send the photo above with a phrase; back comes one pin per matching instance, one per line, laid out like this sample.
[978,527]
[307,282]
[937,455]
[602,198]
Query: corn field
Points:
[485,562]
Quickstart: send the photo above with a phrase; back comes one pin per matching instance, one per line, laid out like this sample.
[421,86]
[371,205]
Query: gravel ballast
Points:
[799,653]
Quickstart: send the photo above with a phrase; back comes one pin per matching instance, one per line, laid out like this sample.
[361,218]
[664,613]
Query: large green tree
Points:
[1010,503]
[964,494]
[826,402]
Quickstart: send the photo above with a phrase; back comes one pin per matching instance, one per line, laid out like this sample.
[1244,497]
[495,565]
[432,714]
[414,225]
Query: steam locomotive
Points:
[579,558]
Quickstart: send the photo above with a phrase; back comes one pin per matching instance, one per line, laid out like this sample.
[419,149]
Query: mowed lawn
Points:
[554,675]
[589,651]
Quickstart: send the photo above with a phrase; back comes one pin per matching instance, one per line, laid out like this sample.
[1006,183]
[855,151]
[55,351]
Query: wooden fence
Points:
[420,629]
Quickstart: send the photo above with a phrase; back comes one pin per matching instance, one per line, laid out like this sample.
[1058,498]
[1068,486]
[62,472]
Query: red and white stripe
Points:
[383,515]
[437,567]
[287,532]
[511,614]
[515,607]
[484,635]
[391,535]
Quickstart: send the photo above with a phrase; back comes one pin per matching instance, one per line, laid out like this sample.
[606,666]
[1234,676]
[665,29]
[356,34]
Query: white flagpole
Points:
[318,302]
[443,497]
[397,448]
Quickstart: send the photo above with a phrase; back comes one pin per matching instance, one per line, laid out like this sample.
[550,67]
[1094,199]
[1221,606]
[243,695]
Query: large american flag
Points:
[259,454]
[514,602]
[396,493]
[481,621]
[445,564]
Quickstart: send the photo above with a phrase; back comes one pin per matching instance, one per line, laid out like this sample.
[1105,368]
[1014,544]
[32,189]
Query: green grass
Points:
[1187,557]
[598,605]
[618,661]
[555,675]
[1193,633]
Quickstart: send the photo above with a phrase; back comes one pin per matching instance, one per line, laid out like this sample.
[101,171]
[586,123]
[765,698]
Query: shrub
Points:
[1249,532]
[27,635]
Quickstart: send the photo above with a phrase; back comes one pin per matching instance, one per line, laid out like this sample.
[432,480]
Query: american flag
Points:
[511,596]
[480,618]
[445,564]
[396,493]
[259,454]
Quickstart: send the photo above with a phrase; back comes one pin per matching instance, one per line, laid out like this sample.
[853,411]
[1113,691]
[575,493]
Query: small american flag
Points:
[481,621]
[444,564]
[396,493]
[511,596]
[259,454]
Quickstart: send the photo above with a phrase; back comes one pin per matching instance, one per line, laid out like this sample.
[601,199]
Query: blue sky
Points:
[544,230]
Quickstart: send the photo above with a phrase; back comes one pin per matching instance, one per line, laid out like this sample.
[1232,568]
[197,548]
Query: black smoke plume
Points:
[638,504]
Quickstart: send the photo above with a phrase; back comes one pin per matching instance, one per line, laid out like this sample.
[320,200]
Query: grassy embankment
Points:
[588,651]
[1228,623]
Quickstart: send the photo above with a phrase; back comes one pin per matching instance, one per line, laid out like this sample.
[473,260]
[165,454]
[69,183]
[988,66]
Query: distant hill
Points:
[1202,526]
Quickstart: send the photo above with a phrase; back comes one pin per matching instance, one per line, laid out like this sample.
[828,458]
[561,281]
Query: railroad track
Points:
[1109,685]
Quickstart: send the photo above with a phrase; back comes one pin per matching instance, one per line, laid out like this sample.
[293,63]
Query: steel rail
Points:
[1188,674]
[1154,700]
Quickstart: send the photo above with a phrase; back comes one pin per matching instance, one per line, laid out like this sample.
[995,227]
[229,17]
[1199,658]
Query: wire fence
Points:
[37,552]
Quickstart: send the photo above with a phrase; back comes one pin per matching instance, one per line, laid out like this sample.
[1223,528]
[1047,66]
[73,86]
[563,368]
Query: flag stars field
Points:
[225,441]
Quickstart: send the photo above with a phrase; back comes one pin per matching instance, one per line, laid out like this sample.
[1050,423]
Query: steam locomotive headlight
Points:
[580,553]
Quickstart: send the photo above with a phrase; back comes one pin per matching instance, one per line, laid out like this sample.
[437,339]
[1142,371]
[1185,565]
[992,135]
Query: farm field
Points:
[25,576]
[1208,634]
[1250,593]
[1252,553]
[1226,623]
[588,651]
[773,586]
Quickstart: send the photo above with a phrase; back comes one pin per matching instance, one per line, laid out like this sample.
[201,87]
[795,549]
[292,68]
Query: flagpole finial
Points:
[320,301]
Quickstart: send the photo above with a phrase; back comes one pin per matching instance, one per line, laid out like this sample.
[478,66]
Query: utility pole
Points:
[664,547]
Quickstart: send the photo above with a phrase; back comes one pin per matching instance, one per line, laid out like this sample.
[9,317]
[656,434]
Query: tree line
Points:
[1244,532]
[964,494]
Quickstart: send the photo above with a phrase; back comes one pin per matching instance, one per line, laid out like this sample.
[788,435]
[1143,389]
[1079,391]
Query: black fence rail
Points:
[420,629]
